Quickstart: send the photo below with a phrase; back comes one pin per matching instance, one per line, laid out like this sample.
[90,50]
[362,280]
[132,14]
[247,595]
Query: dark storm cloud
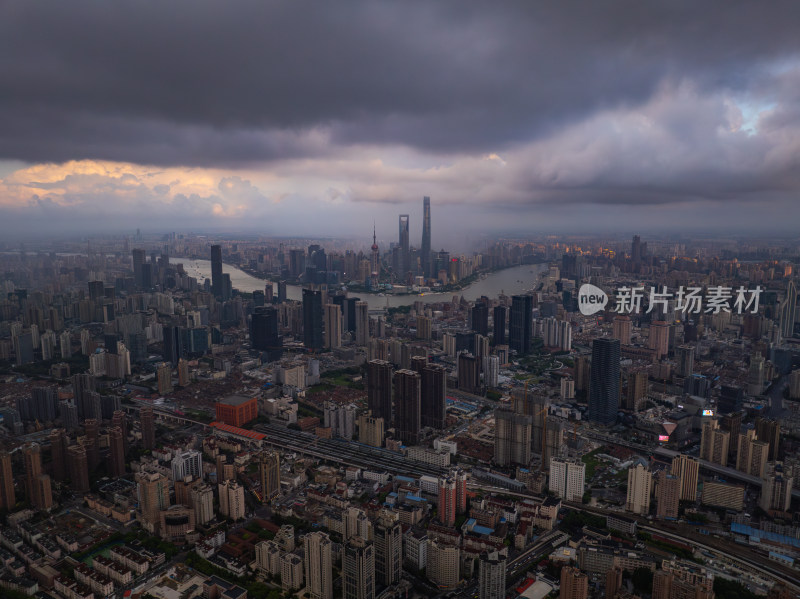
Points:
[232,84]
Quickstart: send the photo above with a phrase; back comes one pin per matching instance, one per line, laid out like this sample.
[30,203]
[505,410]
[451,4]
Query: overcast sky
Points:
[318,118]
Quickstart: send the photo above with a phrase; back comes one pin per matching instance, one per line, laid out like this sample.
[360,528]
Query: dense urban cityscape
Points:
[189,415]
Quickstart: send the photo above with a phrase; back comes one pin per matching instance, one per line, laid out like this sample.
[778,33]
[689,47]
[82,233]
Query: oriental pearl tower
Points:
[374,261]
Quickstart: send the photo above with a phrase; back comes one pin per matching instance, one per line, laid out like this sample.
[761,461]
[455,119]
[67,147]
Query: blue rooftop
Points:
[482,530]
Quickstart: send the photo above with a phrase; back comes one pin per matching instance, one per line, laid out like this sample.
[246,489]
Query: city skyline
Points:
[640,123]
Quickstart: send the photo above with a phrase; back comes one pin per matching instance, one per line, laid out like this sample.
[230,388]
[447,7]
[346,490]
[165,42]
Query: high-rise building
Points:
[216,271]
[447,501]
[83,388]
[117,447]
[638,387]
[443,564]
[164,378]
[312,319]
[379,389]
[685,359]
[499,325]
[574,584]
[668,494]
[148,425]
[622,329]
[153,494]
[407,397]
[769,430]
[687,469]
[203,503]
[318,565]
[37,484]
[679,581]
[78,468]
[8,498]
[426,237]
[187,463]
[404,262]
[362,323]
[519,329]
[751,454]
[231,500]
[333,326]
[567,478]
[786,311]
[492,576]
[370,430]
[480,318]
[433,396]
[604,385]
[269,469]
[512,438]
[659,338]
[58,453]
[776,487]
[139,258]
[264,335]
[358,569]
[388,550]
[640,481]
[613,582]
[714,443]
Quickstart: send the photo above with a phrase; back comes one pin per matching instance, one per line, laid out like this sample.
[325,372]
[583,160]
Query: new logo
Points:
[591,299]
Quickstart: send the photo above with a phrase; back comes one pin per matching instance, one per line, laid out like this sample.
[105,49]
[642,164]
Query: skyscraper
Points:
[37,485]
[358,569]
[333,326]
[567,477]
[433,402]
[8,498]
[374,262]
[668,491]
[604,385]
[117,447]
[388,550]
[404,263]
[216,271]
[685,360]
[469,374]
[677,581]
[319,565]
[574,584]
[492,576]
[264,332]
[480,318]
[78,468]
[312,319]
[269,469]
[153,495]
[407,395]
[187,463]
[139,258]
[512,438]
[426,236]
[687,469]
[640,482]
[519,330]
[447,501]
[379,390]
[499,318]
[769,430]
[147,422]
[362,323]
[714,443]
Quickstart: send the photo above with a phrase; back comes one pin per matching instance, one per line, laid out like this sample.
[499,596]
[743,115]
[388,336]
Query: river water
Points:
[510,281]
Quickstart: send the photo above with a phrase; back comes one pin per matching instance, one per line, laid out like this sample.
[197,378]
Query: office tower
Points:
[769,430]
[148,424]
[426,237]
[519,329]
[512,438]
[404,262]
[264,333]
[83,388]
[8,498]
[388,550]
[370,430]
[231,500]
[468,373]
[636,249]
[362,323]
[443,564]
[358,569]
[407,397]
[318,565]
[659,338]
[613,582]
[574,584]
[37,484]
[312,319]
[776,487]
[203,503]
[499,325]
[164,377]
[755,375]
[434,396]
[640,482]
[174,347]
[678,581]
[622,329]
[751,454]
[333,327]
[139,258]
[786,311]
[480,318]
[117,447]
[685,359]
[281,292]
[187,463]
[687,469]
[269,469]
[78,468]
[668,494]
[492,576]
[638,387]
[216,271]
[379,389]
[604,385]
[567,477]
[447,501]
[714,443]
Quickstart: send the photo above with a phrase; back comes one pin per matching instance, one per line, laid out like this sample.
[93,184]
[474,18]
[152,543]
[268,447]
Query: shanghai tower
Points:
[426,236]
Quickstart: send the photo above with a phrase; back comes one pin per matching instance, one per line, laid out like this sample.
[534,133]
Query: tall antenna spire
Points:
[373,232]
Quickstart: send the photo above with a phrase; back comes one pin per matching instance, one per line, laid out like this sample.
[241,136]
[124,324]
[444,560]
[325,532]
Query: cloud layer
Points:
[222,113]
